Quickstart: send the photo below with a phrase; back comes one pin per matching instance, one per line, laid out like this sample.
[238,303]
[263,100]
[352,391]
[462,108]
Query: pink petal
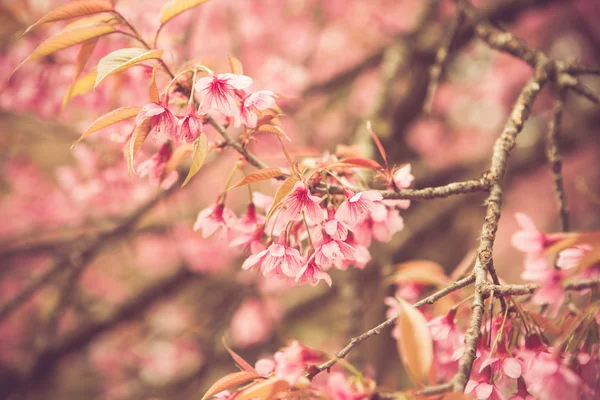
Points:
[237,81]
[484,391]
[526,222]
[512,368]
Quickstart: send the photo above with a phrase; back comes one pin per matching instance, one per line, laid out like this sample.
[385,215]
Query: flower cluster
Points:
[217,94]
[304,236]
[544,350]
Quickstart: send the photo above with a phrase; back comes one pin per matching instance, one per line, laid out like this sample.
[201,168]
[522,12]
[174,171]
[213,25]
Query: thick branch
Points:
[553,154]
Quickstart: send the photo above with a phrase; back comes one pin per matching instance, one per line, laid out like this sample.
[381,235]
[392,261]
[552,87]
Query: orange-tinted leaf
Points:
[107,18]
[415,345]
[140,133]
[343,151]
[378,143]
[180,154]
[85,51]
[590,258]
[259,176]
[546,325]
[153,91]
[200,152]
[68,38]
[238,359]
[72,10]
[229,381]
[363,163]
[83,55]
[269,128]
[285,189]
[122,59]
[175,7]
[235,65]
[80,86]
[265,390]
[420,272]
[118,115]
[575,239]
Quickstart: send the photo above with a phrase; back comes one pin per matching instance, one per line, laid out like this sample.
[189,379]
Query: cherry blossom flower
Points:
[548,378]
[250,242]
[189,127]
[217,92]
[260,100]
[292,360]
[213,219]
[338,230]
[529,239]
[265,366]
[403,179]
[162,121]
[278,259]
[357,206]
[312,274]
[155,167]
[300,200]
[333,252]
[249,222]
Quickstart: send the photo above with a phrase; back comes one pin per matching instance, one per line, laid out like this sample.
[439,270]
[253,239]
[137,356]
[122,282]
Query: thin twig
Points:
[377,330]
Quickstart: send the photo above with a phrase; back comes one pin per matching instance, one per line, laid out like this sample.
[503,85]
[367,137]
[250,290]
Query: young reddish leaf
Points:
[153,91]
[363,162]
[118,115]
[259,176]
[235,65]
[285,189]
[79,87]
[72,10]
[229,381]
[179,154]
[122,59]
[68,38]
[200,152]
[269,128]
[140,133]
[238,359]
[266,390]
[175,7]
[415,345]
[379,145]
